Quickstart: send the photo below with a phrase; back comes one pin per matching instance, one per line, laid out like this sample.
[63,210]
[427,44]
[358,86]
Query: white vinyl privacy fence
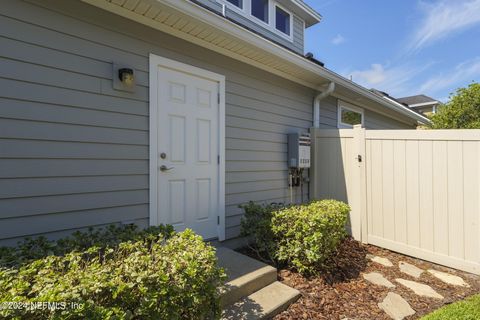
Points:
[416,192]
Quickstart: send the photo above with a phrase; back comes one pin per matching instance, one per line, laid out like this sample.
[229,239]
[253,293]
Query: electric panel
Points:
[299,150]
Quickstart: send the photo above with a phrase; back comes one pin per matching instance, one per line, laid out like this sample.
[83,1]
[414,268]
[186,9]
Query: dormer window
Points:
[282,20]
[236,3]
[260,10]
[269,14]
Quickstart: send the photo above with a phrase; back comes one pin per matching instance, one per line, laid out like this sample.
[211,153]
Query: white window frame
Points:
[234,7]
[342,105]
[287,36]
[246,11]
[265,24]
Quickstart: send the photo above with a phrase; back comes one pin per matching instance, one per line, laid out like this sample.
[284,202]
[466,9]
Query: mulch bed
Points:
[341,292]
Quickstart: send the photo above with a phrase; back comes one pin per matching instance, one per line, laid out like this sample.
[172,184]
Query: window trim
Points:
[265,24]
[234,7]
[280,32]
[342,105]
[246,11]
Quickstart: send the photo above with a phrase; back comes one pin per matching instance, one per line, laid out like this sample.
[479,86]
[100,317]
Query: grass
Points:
[468,309]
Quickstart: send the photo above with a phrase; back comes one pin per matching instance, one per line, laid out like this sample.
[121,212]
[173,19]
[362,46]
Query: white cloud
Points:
[371,77]
[396,81]
[339,39]
[463,73]
[443,18]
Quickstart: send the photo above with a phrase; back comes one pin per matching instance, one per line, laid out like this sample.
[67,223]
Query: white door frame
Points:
[155,62]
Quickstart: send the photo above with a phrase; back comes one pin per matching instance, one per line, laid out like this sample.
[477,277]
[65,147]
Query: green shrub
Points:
[301,236]
[256,224]
[35,248]
[468,309]
[161,275]
[307,235]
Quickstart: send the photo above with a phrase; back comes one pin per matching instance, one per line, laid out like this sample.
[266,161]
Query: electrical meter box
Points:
[299,150]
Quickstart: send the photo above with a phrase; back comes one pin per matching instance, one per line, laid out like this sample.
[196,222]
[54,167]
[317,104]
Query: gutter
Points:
[424,104]
[425,120]
[316,103]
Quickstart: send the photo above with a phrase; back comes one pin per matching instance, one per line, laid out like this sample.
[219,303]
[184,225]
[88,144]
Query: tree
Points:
[461,112]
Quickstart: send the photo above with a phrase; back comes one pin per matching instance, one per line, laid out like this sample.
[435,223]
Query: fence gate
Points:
[416,192]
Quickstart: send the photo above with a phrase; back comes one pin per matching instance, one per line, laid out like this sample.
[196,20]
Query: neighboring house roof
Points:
[393,100]
[418,100]
[191,22]
[384,94]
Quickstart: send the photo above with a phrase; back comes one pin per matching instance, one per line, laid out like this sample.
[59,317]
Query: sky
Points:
[402,47]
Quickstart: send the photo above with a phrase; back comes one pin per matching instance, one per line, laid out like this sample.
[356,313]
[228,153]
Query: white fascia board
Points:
[424,120]
[424,104]
[315,17]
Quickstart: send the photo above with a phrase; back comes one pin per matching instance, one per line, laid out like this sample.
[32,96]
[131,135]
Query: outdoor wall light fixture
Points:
[126,76]
[123,77]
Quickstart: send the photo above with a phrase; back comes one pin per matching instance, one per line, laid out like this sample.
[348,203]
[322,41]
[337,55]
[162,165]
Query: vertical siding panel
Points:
[368,163]
[343,170]
[426,195]
[349,167]
[377,190]
[455,199]
[440,175]
[413,193]
[440,199]
[471,172]
[335,162]
[388,190]
[323,161]
[400,191]
[478,204]
[345,184]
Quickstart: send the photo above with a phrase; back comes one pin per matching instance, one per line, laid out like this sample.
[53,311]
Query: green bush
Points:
[301,236]
[158,274]
[257,225]
[35,248]
[468,309]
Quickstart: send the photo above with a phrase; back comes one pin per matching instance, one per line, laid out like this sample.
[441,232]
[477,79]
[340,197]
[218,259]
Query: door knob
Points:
[164,168]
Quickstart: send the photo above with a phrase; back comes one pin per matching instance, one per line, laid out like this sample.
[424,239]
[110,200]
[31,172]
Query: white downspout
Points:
[316,103]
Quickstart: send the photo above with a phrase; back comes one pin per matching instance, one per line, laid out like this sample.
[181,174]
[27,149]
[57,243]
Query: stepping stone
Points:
[449,278]
[396,307]
[380,260]
[410,269]
[420,289]
[378,279]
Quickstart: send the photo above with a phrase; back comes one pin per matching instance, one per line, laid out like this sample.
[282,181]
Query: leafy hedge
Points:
[301,236]
[118,273]
[468,309]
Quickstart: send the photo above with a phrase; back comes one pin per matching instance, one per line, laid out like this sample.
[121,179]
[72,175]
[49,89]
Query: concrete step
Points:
[263,304]
[245,275]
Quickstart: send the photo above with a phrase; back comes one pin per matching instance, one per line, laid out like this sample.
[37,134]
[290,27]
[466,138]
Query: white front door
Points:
[188,154]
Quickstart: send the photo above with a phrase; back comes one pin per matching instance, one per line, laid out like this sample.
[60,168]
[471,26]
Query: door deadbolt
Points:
[163,155]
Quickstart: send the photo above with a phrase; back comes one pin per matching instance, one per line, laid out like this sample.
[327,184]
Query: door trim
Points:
[155,62]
